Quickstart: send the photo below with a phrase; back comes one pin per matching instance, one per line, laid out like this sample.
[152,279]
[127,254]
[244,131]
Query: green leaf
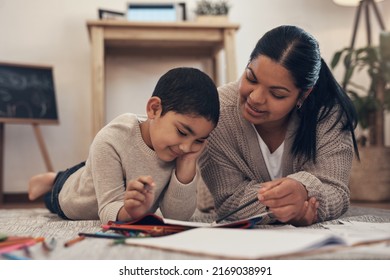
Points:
[336,59]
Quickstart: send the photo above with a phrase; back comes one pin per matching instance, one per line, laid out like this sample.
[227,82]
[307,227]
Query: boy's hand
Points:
[139,196]
[288,201]
[186,165]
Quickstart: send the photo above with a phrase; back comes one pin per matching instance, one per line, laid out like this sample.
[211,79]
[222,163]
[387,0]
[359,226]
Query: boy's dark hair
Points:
[188,91]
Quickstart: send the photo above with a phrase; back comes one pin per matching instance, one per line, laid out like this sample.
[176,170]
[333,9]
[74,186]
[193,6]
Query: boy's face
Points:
[174,135]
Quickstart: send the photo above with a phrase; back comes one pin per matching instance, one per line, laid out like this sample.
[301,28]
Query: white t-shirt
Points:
[272,160]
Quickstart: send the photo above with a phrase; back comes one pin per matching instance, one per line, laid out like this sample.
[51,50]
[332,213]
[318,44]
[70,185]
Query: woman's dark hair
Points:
[298,52]
[188,91]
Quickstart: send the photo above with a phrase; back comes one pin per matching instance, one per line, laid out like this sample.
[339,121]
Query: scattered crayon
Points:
[74,241]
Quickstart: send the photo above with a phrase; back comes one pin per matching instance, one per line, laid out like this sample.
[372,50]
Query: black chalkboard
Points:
[27,94]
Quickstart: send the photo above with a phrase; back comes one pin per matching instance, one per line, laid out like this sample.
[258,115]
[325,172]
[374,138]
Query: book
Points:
[155,225]
[235,243]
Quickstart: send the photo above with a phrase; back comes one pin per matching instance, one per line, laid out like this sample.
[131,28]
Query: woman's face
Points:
[267,92]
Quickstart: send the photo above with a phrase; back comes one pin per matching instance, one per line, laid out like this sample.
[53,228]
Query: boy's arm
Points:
[178,201]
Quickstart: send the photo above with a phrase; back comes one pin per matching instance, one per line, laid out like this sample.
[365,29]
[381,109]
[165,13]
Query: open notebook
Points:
[266,243]
[158,226]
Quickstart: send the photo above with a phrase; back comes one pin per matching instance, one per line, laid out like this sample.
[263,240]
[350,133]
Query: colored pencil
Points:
[74,241]
[237,209]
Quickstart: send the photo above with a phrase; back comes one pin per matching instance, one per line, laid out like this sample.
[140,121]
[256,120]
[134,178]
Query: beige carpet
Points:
[39,222]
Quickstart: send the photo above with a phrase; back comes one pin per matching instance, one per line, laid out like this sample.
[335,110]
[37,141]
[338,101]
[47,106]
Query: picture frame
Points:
[163,12]
[109,14]
[182,11]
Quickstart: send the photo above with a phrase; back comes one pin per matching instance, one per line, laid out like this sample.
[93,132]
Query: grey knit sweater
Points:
[233,166]
[118,154]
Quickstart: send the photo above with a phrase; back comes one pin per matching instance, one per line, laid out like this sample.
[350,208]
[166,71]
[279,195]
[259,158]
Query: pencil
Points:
[102,235]
[237,209]
[73,241]
[17,246]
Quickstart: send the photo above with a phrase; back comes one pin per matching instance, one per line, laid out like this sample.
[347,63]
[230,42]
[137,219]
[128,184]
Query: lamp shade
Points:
[350,3]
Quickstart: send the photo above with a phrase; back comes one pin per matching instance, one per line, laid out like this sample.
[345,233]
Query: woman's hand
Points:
[288,201]
[308,214]
[138,197]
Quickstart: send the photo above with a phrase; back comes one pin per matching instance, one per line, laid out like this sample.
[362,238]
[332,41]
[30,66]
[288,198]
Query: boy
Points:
[137,166]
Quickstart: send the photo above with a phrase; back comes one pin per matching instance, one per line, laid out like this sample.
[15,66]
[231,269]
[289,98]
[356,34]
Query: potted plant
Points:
[208,10]
[370,177]
[370,102]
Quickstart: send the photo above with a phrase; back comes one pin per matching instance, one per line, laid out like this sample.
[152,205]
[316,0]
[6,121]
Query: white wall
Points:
[54,32]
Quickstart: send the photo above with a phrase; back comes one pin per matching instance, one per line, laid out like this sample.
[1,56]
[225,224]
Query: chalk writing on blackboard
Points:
[27,93]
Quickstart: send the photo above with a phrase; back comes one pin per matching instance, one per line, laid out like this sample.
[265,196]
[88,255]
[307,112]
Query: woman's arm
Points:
[231,179]
[327,179]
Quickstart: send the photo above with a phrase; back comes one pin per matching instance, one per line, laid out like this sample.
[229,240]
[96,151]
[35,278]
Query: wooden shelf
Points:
[162,38]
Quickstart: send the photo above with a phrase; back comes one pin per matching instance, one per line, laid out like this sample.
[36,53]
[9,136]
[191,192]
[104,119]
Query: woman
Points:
[286,135]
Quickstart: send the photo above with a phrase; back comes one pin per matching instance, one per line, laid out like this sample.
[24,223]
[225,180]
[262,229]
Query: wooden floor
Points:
[15,205]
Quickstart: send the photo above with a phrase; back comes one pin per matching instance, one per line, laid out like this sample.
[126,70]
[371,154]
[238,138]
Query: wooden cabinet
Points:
[142,38]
